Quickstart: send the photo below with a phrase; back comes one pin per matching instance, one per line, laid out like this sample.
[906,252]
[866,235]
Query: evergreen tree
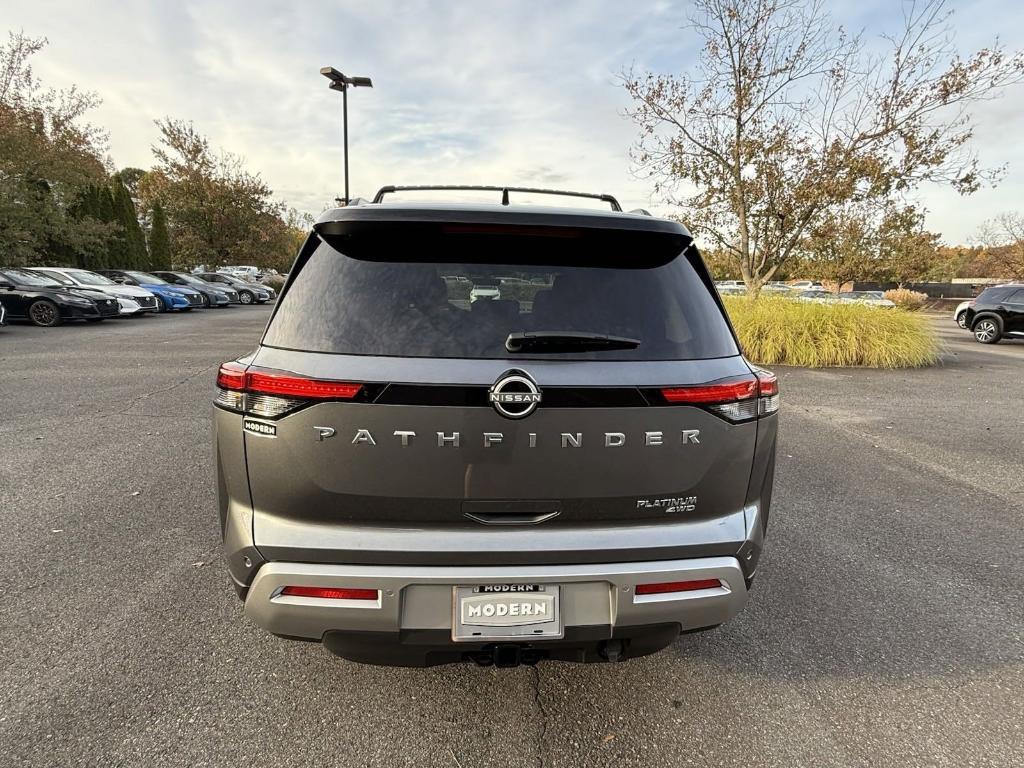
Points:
[127,217]
[116,255]
[159,240]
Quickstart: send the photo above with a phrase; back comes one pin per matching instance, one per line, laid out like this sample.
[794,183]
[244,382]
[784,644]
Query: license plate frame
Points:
[491,627]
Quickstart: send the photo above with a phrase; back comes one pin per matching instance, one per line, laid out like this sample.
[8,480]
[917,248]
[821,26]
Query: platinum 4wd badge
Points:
[259,427]
[669,504]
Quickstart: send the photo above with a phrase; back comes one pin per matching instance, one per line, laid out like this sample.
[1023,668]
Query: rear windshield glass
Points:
[413,299]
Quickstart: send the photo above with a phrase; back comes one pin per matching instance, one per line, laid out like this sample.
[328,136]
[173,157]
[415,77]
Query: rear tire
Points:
[247,297]
[44,313]
[987,331]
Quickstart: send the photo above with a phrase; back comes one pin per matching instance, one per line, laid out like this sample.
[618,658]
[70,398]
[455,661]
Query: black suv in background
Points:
[996,313]
[496,433]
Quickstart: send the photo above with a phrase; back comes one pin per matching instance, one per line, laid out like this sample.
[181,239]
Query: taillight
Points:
[768,392]
[736,399]
[667,587]
[274,393]
[331,593]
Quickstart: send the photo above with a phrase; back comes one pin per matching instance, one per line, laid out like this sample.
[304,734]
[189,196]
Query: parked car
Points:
[48,303]
[248,293]
[247,273]
[213,295]
[581,472]
[871,298]
[485,292]
[806,285]
[169,297]
[960,313]
[819,297]
[731,287]
[998,312]
[144,301]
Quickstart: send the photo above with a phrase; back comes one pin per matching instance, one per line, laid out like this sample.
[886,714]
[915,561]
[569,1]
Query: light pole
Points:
[341,82]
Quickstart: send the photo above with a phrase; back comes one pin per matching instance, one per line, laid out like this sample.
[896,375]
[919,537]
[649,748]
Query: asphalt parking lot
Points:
[886,627]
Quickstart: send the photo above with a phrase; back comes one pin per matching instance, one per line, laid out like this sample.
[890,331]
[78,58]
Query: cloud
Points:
[498,93]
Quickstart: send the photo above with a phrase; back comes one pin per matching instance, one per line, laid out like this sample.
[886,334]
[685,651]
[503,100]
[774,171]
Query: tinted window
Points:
[416,300]
[144,277]
[993,295]
[62,279]
[24,277]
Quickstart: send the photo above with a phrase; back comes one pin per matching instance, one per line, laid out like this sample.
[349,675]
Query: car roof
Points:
[494,213]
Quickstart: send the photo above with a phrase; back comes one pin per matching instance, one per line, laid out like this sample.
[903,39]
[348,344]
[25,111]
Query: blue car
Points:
[169,296]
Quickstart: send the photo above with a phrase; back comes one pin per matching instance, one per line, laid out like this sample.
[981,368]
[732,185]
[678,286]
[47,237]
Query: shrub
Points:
[776,331]
[274,281]
[907,299]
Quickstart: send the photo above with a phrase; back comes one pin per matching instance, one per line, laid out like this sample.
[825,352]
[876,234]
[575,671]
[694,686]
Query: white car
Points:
[871,298]
[730,286]
[819,297]
[485,292]
[143,300]
[128,306]
[249,274]
[960,313]
[806,285]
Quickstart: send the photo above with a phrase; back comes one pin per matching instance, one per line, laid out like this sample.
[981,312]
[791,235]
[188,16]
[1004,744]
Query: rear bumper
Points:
[411,623]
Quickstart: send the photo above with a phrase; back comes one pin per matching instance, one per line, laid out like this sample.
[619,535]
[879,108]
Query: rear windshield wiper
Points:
[565,341]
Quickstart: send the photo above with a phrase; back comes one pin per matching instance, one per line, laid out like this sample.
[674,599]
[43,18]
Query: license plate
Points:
[505,612]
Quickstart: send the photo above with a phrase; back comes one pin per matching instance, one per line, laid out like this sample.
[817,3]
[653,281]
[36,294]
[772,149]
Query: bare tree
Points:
[786,117]
[1004,239]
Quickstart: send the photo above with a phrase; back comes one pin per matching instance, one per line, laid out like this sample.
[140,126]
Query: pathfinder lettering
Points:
[406,438]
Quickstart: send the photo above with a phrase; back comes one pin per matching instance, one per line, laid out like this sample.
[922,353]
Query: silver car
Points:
[579,469]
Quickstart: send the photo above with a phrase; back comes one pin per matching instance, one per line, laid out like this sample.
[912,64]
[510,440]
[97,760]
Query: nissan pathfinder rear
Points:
[498,433]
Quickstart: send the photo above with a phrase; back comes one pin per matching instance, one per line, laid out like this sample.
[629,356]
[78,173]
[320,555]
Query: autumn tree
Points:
[50,159]
[217,211]
[907,251]
[841,246]
[1004,240]
[785,117]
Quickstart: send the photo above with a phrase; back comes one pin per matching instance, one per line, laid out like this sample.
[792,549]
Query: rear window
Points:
[459,297]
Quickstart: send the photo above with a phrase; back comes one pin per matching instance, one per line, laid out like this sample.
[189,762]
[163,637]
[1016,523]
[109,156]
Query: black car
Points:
[48,303]
[213,295]
[248,293]
[998,312]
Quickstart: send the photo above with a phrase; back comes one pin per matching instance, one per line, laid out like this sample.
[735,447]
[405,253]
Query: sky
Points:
[520,93]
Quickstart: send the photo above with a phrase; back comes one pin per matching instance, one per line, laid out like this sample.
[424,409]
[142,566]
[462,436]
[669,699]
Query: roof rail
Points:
[379,197]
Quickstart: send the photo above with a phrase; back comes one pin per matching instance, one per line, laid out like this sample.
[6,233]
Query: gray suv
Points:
[497,433]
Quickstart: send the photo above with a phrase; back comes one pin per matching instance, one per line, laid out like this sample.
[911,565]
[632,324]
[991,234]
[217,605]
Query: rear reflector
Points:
[708,394]
[677,586]
[332,593]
